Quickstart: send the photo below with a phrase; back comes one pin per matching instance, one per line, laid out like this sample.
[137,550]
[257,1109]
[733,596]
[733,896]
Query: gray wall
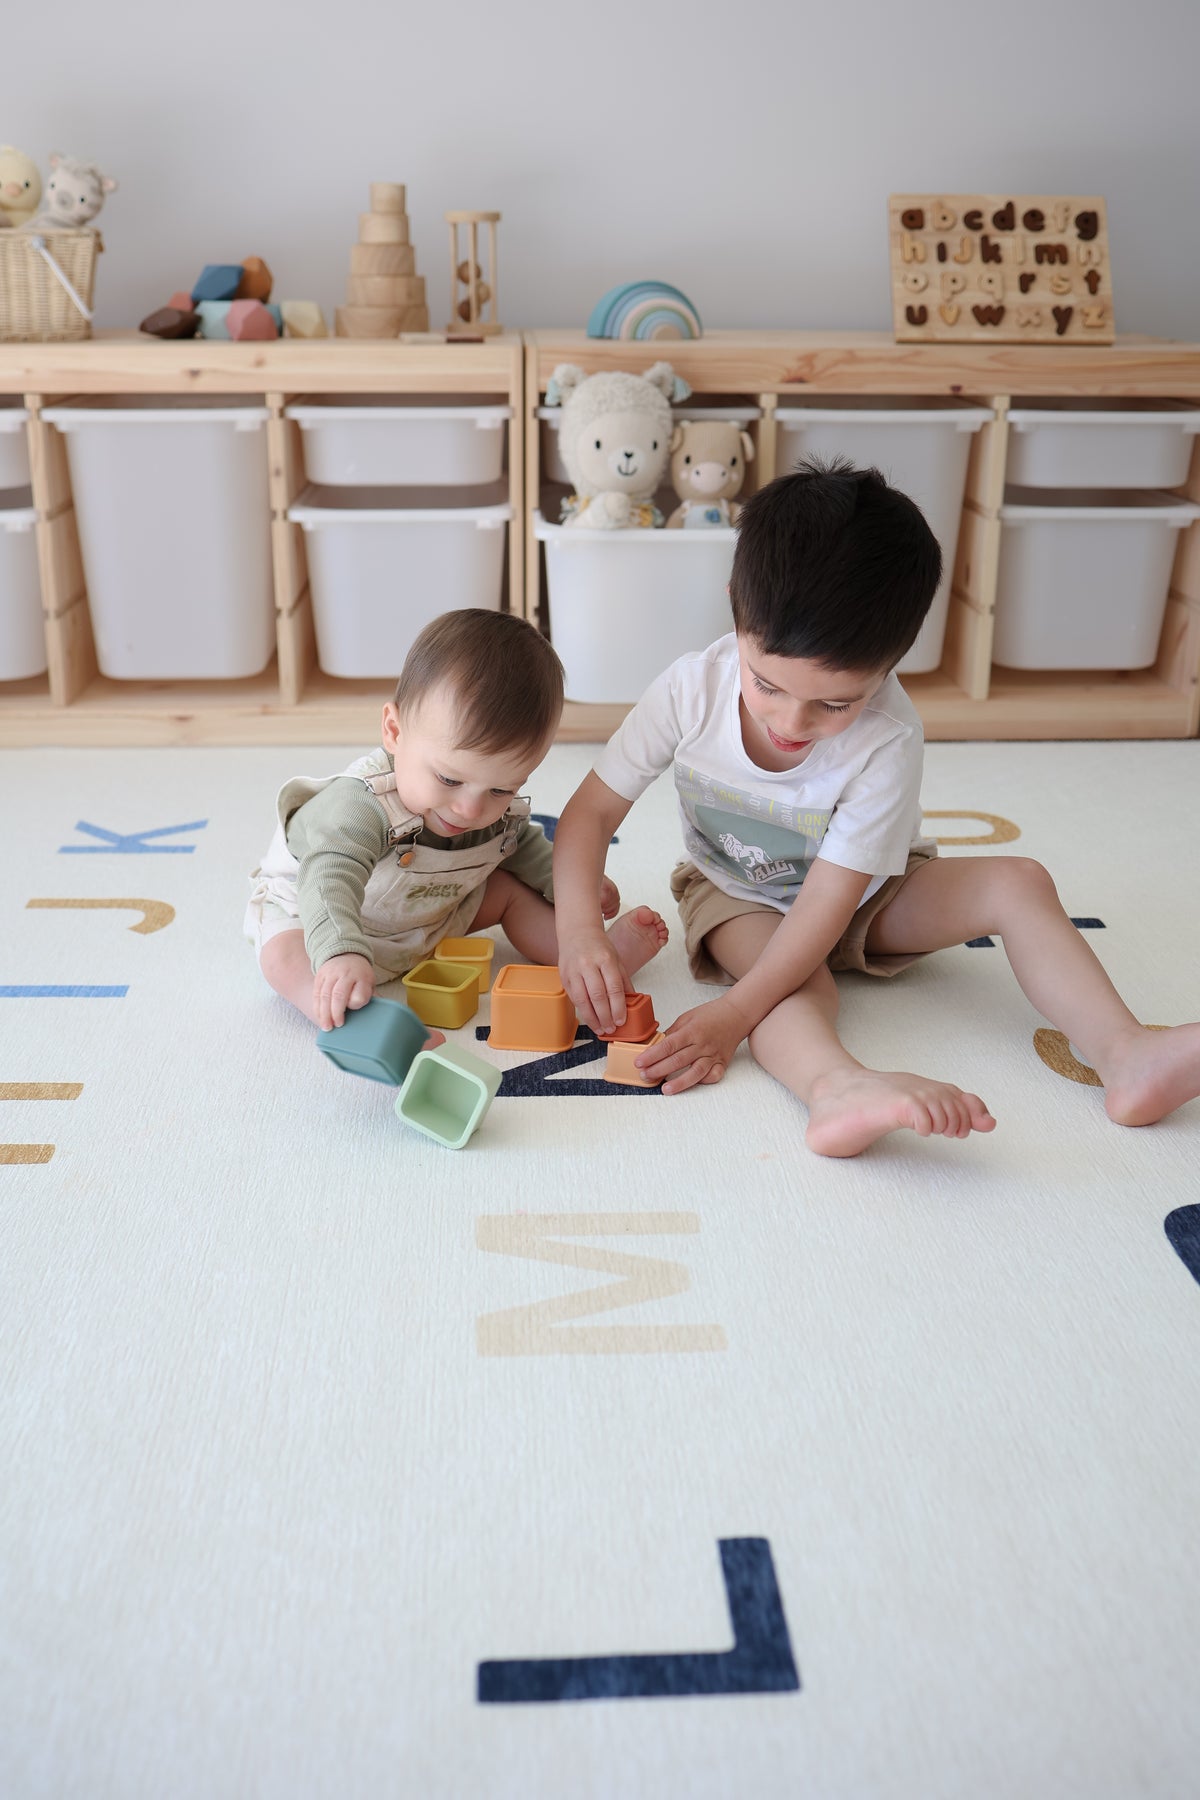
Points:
[743,151]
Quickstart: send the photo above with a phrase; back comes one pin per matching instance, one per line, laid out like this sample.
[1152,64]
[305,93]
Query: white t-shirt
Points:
[855,800]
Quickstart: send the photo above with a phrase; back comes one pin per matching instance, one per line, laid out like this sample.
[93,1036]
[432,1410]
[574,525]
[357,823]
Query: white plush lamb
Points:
[74,195]
[615,436]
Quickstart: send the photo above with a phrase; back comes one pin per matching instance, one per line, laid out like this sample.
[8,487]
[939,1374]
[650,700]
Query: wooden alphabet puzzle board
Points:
[987,268]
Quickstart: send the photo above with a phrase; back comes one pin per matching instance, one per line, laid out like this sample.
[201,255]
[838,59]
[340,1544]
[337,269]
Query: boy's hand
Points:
[594,980]
[610,898]
[342,984]
[697,1048]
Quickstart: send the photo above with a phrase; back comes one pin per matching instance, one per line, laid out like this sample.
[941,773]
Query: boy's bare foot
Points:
[637,936]
[1158,1071]
[849,1109]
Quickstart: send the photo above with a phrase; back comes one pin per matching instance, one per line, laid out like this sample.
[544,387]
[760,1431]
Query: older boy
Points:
[427,836]
[797,762]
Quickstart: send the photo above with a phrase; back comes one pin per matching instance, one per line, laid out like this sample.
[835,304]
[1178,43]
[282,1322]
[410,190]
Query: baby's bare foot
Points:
[637,936]
[1158,1071]
[850,1109]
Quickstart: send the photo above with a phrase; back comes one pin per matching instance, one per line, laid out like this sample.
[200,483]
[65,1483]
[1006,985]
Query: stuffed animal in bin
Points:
[20,186]
[708,467]
[615,437]
[74,195]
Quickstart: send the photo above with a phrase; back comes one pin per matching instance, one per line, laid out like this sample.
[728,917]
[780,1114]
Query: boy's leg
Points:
[1146,1074]
[528,923]
[849,1106]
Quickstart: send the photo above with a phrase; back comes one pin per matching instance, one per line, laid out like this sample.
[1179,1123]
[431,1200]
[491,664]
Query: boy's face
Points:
[454,790]
[789,703]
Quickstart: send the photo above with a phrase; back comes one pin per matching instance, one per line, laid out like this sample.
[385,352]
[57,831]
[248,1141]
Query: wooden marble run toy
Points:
[446,1094]
[530,1010]
[378,1041]
[474,952]
[472,288]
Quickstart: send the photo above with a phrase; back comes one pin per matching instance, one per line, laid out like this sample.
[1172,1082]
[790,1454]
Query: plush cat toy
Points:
[75,193]
[615,437]
[20,186]
[708,466]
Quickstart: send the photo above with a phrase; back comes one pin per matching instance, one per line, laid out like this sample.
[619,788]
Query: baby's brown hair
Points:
[507,681]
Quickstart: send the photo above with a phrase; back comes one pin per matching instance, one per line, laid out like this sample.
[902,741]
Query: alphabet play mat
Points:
[630,1450]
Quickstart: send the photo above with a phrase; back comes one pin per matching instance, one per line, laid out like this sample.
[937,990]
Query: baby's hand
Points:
[697,1048]
[594,980]
[610,898]
[342,984]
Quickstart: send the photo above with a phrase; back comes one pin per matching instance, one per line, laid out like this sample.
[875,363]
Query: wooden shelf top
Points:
[872,362]
[131,362]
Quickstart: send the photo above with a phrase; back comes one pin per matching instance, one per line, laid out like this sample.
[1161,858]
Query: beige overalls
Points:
[415,894]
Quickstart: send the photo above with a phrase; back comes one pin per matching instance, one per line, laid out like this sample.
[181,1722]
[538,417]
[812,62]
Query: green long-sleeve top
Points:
[338,838]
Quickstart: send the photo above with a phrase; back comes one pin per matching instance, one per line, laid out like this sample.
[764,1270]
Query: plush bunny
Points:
[708,466]
[615,437]
[20,186]
[74,195]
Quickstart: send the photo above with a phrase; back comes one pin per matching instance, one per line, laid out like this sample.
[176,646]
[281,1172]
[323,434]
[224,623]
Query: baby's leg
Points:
[1146,1074]
[284,962]
[849,1106]
[528,923]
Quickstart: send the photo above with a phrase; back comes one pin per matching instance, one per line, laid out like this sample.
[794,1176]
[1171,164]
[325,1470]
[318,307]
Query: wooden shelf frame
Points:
[294,702]
[967,697]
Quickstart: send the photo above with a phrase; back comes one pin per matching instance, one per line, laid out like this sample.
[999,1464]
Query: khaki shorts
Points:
[703,906]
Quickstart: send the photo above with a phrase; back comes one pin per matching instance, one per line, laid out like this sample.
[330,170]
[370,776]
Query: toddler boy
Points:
[797,763]
[428,836]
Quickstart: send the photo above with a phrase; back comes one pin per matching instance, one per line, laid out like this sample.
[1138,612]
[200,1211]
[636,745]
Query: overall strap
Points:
[402,824]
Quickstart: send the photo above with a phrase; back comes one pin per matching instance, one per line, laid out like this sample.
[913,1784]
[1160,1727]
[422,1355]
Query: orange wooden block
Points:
[619,1068]
[640,1023]
[530,1009]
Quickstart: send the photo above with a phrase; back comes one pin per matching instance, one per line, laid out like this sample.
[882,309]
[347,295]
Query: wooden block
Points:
[387,197]
[415,318]
[256,280]
[248,321]
[383,259]
[303,319]
[385,290]
[371,321]
[382,228]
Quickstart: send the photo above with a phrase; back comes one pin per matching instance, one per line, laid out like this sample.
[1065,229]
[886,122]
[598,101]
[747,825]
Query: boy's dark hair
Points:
[507,681]
[833,565]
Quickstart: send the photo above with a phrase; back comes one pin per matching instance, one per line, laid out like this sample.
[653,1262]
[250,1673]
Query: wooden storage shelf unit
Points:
[292,701]
[968,697]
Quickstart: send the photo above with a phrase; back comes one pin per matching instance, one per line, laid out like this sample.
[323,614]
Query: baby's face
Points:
[454,790]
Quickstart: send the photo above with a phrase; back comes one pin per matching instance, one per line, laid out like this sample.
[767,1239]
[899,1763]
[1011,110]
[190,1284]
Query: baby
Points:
[427,836]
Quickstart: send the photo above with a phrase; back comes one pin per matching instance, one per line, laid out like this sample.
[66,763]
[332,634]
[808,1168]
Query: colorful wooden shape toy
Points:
[218,281]
[530,1009]
[256,280]
[620,1065]
[250,321]
[444,994]
[473,952]
[644,309]
[171,322]
[181,301]
[303,319]
[378,1041]
[640,1023]
[446,1093]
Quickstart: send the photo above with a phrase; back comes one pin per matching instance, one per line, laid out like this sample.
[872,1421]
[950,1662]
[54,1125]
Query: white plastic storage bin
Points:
[554,469]
[394,441]
[22,634]
[922,448]
[1062,443]
[1083,577]
[175,532]
[14,445]
[381,569]
[624,604]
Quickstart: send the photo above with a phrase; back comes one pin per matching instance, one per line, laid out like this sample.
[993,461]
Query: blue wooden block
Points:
[214,315]
[218,281]
[378,1041]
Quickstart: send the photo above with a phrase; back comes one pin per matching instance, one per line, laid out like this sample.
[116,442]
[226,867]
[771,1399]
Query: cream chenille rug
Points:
[632,1450]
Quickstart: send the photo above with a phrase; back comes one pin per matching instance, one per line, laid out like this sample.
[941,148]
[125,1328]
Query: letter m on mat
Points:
[545,1327]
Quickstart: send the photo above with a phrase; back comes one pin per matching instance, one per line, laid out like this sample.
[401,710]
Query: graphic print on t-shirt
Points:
[743,838]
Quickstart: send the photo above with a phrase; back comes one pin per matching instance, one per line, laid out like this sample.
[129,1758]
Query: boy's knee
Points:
[1023,878]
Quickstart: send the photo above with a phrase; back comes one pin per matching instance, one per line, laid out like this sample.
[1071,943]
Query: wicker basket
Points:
[36,305]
